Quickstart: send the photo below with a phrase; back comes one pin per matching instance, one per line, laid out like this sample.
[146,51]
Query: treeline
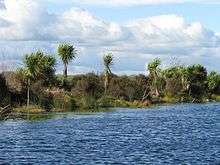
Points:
[37,85]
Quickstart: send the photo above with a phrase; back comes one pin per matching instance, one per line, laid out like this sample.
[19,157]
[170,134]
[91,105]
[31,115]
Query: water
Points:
[178,134]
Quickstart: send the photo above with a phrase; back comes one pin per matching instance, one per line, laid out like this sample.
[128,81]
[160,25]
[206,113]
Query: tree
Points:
[25,76]
[37,66]
[66,53]
[173,77]
[88,85]
[154,70]
[4,92]
[108,62]
[213,82]
[197,76]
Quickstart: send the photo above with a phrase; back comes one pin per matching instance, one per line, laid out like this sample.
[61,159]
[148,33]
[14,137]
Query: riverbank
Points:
[114,103]
[176,84]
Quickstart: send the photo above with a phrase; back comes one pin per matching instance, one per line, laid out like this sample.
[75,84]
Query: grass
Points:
[216,98]
[89,104]
[169,99]
[31,109]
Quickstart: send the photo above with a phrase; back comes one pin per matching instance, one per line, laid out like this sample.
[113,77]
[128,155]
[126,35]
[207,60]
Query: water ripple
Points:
[178,134]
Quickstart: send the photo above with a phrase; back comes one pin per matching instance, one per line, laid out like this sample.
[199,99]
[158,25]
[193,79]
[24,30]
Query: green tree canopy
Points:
[197,76]
[155,77]
[37,66]
[108,62]
[67,53]
[213,81]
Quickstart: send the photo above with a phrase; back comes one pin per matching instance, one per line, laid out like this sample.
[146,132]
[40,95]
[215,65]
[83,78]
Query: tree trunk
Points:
[156,85]
[65,75]
[157,92]
[28,93]
[146,94]
[106,83]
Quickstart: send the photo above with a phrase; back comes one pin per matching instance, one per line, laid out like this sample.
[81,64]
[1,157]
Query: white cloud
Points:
[26,25]
[140,2]
[129,2]
[82,25]
[26,20]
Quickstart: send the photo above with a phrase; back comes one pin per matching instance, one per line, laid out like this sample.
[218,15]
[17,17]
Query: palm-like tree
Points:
[154,70]
[66,53]
[36,66]
[23,76]
[108,62]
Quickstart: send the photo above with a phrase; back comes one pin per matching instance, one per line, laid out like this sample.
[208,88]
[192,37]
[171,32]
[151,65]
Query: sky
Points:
[136,31]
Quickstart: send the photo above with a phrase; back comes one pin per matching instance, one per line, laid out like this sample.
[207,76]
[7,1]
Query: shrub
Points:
[89,103]
[64,102]
[46,102]
[4,93]
[106,101]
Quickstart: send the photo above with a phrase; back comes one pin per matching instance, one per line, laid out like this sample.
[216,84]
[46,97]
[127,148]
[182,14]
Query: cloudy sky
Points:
[135,31]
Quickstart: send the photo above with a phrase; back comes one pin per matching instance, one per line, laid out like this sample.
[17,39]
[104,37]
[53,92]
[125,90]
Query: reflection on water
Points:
[50,115]
[178,134]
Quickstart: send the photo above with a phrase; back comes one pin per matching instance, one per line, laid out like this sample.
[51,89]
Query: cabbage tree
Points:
[66,53]
[108,62]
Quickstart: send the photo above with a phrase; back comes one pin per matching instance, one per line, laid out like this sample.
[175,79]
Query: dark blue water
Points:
[179,134]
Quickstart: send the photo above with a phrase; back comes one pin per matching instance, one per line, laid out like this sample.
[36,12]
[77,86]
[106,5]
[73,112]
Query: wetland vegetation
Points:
[36,88]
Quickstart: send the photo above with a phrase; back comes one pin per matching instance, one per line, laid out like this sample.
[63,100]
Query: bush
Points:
[46,102]
[4,92]
[216,97]
[106,101]
[171,99]
[64,102]
[89,103]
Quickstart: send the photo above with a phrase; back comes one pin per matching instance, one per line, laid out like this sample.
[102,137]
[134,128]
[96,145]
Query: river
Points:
[171,134]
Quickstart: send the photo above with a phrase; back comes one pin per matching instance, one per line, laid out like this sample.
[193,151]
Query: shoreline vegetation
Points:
[35,88]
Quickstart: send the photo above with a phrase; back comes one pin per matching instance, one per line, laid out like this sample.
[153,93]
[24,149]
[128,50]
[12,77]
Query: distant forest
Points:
[36,86]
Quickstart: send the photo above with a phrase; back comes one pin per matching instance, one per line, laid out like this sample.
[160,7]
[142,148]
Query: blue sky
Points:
[199,12]
[207,14]
[187,31]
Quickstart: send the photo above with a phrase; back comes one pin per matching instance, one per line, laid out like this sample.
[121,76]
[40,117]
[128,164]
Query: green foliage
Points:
[32,109]
[173,72]
[66,52]
[88,85]
[140,84]
[89,91]
[213,82]
[128,88]
[106,101]
[215,97]
[188,81]
[196,73]
[108,61]
[46,102]
[88,102]
[174,78]
[171,99]
[64,102]
[153,66]
[37,66]
[197,76]
[4,92]
[155,77]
